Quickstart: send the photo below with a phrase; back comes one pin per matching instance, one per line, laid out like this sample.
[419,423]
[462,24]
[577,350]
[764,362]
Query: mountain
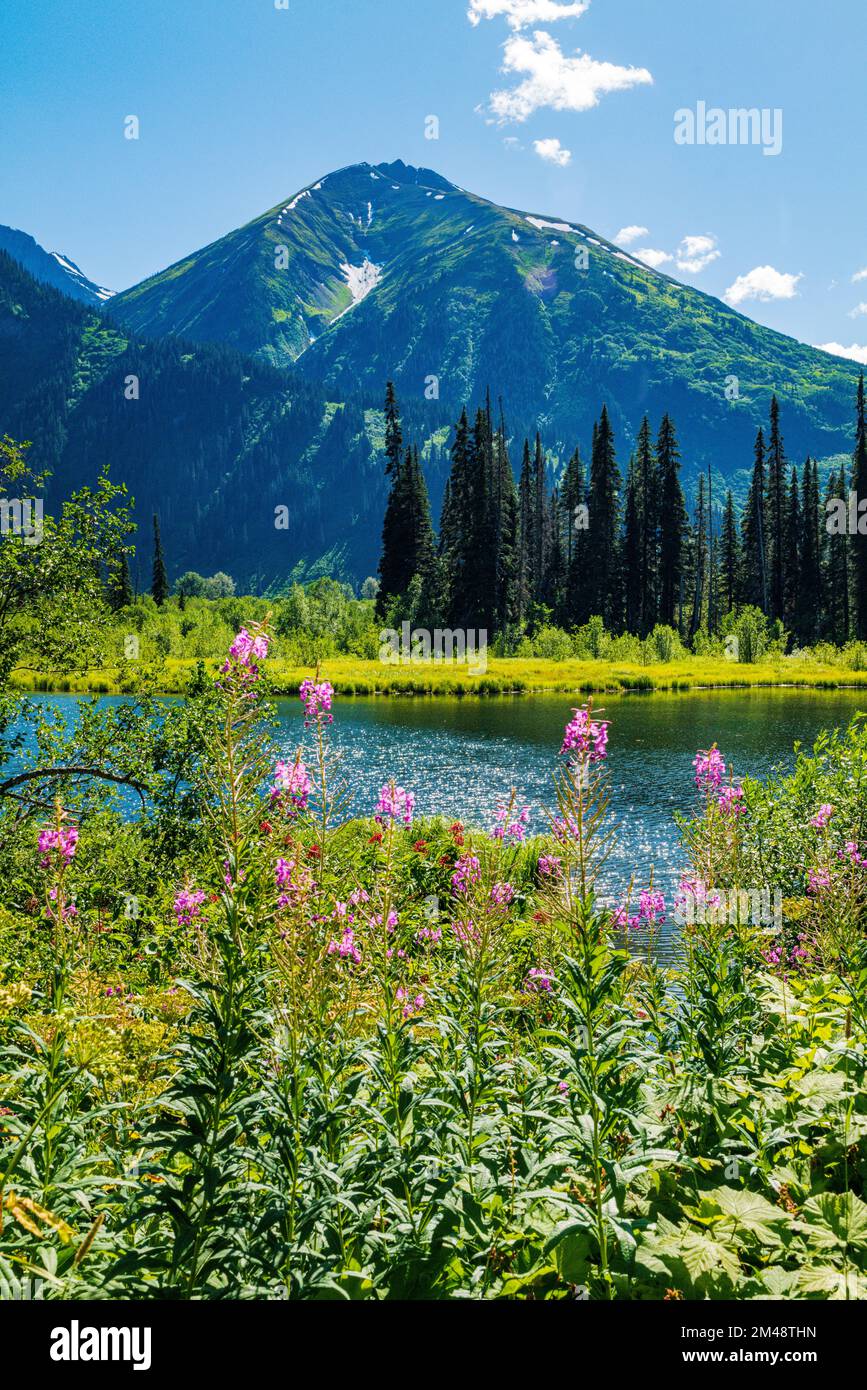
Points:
[385,270]
[213,443]
[51,268]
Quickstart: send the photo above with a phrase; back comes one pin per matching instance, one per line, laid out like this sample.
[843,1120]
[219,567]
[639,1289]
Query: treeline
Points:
[512,556]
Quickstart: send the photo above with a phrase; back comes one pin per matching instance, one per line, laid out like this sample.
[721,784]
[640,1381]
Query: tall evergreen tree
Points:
[407,535]
[835,578]
[574,501]
[526,530]
[159,579]
[603,536]
[730,564]
[793,536]
[858,544]
[776,514]
[673,524]
[754,534]
[120,594]
[699,558]
[632,552]
[811,598]
[647,508]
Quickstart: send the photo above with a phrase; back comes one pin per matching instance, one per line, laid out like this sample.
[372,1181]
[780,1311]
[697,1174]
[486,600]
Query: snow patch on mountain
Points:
[80,278]
[290,207]
[361,279]
[551,226]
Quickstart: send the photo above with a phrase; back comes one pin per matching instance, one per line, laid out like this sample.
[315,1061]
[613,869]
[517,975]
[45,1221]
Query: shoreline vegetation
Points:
[505,676]
[253,1048]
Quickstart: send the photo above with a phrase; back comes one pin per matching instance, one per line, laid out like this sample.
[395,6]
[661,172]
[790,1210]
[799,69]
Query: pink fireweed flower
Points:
[467,933]
[538,981]
[586,738]
[429,936]
[694,901]
[651,907]
[550,866]
[817,881]
[293,785]
[65,912]
[565,828]
[244,654]
[188,905]
[709,769]
[563,1088]
[822,816]
[60,842]
[316,697]
[395,804]
[411,1006]
[293,880]
[346,948]
[511,830]
[731,801]
[376,921]
[502,894]
[246,649]
[467,872]
[853,854]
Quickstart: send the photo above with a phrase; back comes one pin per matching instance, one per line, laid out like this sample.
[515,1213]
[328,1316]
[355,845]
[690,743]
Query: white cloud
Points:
[762,283]
[519,13]
[858,311]
[627,235]
[695,253]
[855,351]
[555,80]
[552,152]
[859,275]
[653,258]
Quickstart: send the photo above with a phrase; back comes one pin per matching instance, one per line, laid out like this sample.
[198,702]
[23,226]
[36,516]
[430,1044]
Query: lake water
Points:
[463,757]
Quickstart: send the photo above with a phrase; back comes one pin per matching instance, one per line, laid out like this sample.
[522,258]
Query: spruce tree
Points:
[160,579]
[700,558]
[754,534]
[647,510]
[603,536]
[776,516]
[632,552]
[526,528]
[808,621]
[120,594]
[793,536]
[673,524]
[858,545]
[573,496]
[730,564]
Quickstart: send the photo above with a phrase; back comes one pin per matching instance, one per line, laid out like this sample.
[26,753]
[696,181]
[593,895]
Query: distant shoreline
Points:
[505,677]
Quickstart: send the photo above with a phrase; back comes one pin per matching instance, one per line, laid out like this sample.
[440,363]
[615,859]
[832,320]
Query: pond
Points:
[462,757]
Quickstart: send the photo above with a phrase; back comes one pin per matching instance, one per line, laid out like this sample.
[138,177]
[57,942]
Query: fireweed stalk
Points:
[590,970]
[210,1106]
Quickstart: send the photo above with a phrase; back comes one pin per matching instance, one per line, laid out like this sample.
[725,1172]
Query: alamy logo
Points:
[412,645]
[76,1343]
[22,518]
[736,126]
[737,906]
[846,519]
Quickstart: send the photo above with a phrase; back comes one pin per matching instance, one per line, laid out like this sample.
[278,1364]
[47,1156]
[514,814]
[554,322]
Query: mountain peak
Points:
[51,268]
[399,172]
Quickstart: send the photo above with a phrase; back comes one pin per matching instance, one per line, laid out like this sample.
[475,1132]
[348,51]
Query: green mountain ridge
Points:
[261,387]
[452,287]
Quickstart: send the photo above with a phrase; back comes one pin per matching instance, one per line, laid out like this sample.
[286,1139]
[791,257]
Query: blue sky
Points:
[242,104]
